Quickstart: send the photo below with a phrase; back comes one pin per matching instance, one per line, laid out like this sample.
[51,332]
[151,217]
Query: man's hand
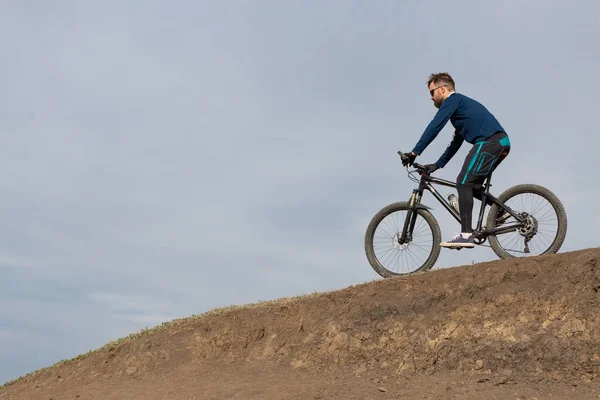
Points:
[431,168]
[408,158]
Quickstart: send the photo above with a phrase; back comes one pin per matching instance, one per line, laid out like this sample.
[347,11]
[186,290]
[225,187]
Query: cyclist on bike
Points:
[474,124]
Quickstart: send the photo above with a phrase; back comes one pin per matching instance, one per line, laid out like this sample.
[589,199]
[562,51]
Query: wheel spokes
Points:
[543,229]
[404,258]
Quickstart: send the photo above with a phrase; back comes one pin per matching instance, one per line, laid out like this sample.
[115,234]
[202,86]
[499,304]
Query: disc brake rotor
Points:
[396,243]
[530,227]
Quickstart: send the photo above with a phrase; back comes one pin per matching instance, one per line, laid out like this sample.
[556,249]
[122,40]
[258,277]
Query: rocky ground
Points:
[507,329]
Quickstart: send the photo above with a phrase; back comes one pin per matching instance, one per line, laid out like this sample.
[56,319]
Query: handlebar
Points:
[420,168]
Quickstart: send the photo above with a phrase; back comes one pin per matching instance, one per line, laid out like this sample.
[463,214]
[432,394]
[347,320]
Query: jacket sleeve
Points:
[451,150]
[437,123]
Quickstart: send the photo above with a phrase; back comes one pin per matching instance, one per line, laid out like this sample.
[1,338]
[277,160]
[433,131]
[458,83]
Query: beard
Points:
[438,102]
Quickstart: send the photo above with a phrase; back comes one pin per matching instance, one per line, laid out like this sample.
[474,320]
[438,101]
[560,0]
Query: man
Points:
[474,124]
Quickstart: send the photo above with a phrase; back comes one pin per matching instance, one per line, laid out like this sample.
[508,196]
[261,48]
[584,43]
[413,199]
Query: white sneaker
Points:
[459,241]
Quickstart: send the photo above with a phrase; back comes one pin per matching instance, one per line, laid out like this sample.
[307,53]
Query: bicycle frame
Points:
[427,182]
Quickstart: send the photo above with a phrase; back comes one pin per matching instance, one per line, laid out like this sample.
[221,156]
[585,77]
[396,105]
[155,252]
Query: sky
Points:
[162,159]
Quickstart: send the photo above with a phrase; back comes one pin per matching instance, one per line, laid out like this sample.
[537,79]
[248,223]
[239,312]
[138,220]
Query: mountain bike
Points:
[534,223]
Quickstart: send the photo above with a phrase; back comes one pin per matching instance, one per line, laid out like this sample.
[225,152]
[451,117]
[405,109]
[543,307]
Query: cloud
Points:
[162,161]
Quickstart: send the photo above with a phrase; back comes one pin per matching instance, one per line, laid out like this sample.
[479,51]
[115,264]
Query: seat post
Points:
[488,183]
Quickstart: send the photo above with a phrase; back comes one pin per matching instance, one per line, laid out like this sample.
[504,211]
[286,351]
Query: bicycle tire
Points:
[540,191]
[378,218]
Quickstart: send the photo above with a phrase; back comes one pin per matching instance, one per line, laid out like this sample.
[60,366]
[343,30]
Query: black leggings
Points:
[481,161]
[465,206]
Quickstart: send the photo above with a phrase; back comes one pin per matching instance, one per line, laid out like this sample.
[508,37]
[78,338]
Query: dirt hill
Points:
[519,328]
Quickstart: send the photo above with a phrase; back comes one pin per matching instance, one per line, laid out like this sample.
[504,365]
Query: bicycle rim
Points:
[402,259]
[542,221]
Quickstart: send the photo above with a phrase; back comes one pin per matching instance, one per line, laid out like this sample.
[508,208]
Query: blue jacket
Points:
[471,120]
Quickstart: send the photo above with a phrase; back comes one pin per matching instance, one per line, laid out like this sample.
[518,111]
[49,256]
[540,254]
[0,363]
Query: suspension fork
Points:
[411,217]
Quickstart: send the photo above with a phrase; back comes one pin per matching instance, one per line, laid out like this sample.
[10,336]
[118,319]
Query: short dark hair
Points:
[443,78]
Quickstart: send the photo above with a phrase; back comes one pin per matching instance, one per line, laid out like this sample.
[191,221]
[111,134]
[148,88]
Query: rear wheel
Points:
[390,258]
[545,225]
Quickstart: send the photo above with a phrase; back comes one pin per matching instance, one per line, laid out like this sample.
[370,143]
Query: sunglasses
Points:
[432,91]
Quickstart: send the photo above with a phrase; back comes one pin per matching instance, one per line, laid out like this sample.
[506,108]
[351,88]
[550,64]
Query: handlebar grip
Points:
[403,156]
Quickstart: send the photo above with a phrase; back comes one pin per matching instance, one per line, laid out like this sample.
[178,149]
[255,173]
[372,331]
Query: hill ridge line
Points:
[534,317]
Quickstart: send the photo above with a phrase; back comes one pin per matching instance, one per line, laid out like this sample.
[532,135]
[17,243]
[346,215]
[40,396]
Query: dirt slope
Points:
[520,328]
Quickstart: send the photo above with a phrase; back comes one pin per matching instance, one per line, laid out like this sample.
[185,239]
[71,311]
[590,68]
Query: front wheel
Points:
[385,253]
[545,226]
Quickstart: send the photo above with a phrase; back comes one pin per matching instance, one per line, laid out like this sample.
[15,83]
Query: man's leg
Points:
[465,206]
[480,162]
[465,202]
[503,148]
[503,153]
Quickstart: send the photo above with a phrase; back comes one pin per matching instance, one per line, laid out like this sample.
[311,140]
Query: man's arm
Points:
[451,150]
[437,124]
